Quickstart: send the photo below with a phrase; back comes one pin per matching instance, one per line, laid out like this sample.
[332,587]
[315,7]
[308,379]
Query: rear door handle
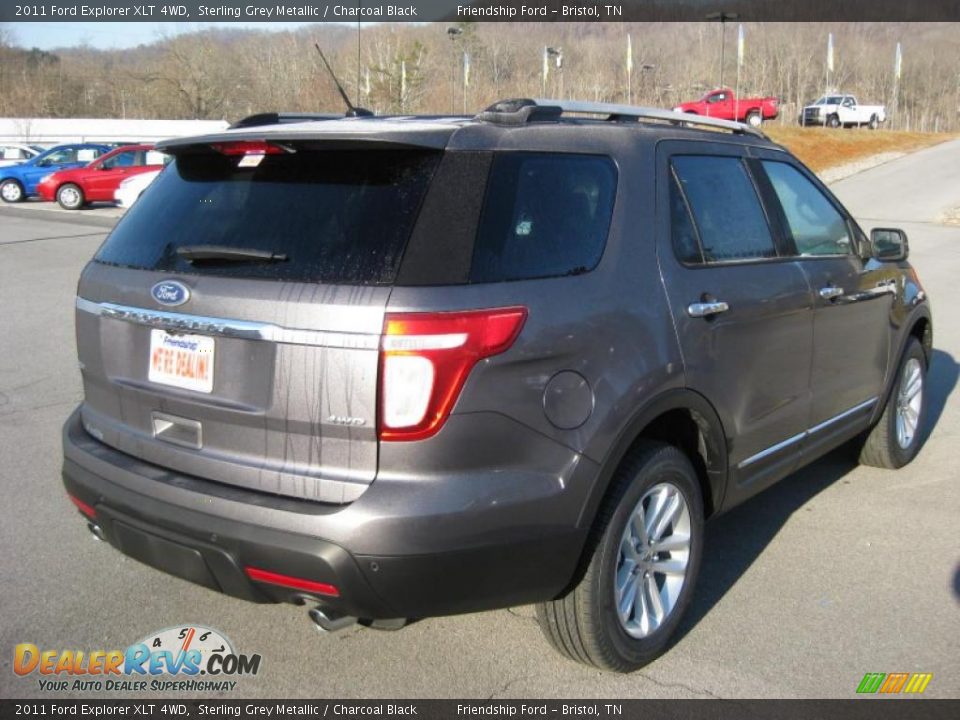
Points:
[706,309]
[831,293]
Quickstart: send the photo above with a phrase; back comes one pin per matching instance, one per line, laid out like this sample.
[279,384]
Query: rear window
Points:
[544,215]
[337,216]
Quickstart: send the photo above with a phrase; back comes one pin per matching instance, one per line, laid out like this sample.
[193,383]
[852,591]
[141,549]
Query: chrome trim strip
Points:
[243,329]
[771,450]
[846,413]
[807,433]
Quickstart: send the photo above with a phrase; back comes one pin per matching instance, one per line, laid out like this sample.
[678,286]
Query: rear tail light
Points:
[425,360]
[250,147]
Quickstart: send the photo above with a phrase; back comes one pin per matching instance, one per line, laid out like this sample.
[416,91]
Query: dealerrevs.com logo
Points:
[188,658]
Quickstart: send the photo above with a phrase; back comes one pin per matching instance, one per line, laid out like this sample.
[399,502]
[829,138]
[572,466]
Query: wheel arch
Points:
[682,418]
[920,326]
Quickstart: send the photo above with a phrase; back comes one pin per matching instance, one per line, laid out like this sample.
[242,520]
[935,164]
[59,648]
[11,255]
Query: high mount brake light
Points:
[425,359]
[250,147]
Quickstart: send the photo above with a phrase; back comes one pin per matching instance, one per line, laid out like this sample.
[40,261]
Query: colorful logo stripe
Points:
[893,683]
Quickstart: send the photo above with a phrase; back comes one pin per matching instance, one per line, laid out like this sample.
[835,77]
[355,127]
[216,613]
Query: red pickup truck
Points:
[723,104]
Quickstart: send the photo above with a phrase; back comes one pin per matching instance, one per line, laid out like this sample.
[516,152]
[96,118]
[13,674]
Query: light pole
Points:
[453,33]
[723,17]
[557,54]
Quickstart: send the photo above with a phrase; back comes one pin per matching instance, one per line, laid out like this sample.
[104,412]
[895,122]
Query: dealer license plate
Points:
[184,361]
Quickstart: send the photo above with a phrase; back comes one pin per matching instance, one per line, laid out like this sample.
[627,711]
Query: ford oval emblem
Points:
[170,293]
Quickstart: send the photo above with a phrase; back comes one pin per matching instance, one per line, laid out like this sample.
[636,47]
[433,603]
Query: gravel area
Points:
[831,175]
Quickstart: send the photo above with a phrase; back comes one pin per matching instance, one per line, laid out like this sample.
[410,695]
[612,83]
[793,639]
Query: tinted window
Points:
[544,215]
[67,155]
[727,212]
[684,235]
[338,216]
[121,160]
[816,225]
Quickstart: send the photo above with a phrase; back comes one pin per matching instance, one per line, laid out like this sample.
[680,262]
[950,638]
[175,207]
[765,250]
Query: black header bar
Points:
[195,11]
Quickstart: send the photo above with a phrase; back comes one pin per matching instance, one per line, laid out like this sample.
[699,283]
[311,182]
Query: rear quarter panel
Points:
[612,325]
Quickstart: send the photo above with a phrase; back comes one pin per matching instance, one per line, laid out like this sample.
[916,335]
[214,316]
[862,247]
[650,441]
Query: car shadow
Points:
[735,540]
[941,381]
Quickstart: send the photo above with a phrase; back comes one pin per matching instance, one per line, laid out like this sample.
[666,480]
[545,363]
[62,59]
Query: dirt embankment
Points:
[835,154]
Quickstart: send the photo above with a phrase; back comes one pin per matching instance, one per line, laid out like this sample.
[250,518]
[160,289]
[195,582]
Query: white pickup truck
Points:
[843,111]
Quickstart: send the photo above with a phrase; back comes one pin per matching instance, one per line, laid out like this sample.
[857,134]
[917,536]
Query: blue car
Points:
[20,181]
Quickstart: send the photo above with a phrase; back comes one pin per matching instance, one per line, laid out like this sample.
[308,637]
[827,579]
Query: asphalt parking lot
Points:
[837,571]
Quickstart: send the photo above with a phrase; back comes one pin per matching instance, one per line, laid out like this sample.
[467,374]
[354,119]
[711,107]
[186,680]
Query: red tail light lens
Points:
[249,147]
[425,360]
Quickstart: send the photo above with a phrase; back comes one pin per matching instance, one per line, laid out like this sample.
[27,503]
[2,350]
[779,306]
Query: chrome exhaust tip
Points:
[328,621]
[96,531]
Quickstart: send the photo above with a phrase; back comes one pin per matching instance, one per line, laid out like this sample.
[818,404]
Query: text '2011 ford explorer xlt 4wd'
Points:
[403,367]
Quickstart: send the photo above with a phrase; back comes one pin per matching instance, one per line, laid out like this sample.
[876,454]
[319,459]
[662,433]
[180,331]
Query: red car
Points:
[723,104]
[99,180]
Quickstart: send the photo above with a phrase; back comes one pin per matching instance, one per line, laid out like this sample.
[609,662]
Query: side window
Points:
[682,232]
[67,155]
[12,153]
[816,225]
[125,159]
[544,215]
[726,210]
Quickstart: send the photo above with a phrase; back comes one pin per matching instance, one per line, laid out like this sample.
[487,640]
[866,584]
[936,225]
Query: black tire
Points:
[11,191]
[754,119]
[833,121]
[882,447]
[874,122]
[584,624]
[70,196]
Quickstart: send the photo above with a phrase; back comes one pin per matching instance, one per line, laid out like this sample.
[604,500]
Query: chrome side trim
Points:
[845,414]
[807,433]
[772,449]
[244,329]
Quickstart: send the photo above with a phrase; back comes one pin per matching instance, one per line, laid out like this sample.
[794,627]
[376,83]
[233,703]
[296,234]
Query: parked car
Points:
[132,188]
[724,104]
[412,367]
[843,111]
[99,180]
[14,153]
[17,182]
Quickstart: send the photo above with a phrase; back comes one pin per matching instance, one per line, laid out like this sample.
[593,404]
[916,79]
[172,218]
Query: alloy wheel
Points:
[909,402]
[652,561]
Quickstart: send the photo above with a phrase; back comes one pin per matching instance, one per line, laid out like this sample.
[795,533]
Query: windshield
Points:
[830,100]
[337,216]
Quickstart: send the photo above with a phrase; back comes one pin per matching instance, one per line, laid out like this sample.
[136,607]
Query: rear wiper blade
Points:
[194,253]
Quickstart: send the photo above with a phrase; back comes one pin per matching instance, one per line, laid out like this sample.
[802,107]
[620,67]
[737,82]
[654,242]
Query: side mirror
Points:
[889,244]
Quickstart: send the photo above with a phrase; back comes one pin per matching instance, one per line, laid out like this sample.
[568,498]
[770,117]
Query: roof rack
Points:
[277,118]
[518,111]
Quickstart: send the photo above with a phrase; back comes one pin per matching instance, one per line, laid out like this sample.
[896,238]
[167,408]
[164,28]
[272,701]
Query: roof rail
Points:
[518,111]
[276,118]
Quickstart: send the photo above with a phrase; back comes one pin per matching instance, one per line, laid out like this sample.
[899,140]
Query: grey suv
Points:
[401,367]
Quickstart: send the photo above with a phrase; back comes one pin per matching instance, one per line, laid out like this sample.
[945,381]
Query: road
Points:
[837,571]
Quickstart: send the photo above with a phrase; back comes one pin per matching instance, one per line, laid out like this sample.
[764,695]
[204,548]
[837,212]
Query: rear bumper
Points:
[403,549]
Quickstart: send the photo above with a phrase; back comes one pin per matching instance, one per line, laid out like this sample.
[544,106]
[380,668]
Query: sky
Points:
[108,35]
